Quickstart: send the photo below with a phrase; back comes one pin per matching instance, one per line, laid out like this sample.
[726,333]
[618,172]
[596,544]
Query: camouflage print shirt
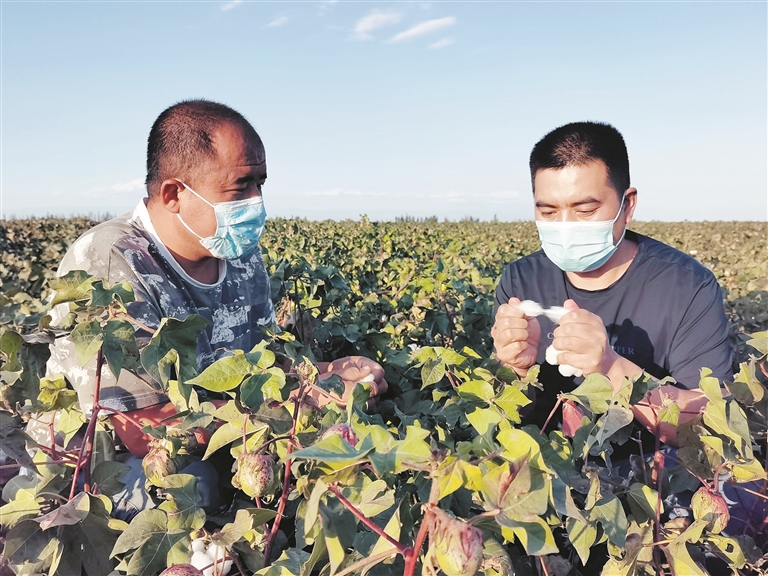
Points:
[128,248]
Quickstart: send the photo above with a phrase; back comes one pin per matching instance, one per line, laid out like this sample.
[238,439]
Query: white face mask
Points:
[579,246]
[239,226]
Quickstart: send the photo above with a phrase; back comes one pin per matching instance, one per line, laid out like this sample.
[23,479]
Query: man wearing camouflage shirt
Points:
[190,247]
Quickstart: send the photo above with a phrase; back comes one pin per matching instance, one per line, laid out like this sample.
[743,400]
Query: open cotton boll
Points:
[369,378]
[530,308]
[199,559]
[555,313]
[564,369]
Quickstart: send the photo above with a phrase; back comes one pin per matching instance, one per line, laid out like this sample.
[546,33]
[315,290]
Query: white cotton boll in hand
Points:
[568,371]
[564,369]
[551,355]
[555,313]
[530,308]
[369,378]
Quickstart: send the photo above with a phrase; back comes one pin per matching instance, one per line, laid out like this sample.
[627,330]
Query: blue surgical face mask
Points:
[239,226]
[579,246]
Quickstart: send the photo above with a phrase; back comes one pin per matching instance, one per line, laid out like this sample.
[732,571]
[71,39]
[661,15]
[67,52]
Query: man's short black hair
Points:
[580,143]
[180,142]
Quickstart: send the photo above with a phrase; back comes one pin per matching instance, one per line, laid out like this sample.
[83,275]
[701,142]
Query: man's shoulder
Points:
[90,252]
[655,254]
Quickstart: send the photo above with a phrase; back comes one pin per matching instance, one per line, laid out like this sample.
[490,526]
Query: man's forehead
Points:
[237,143]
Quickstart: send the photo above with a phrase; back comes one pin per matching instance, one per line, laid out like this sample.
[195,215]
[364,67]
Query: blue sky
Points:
[390,108]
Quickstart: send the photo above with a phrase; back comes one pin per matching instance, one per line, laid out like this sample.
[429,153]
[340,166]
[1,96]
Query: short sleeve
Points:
[701,340]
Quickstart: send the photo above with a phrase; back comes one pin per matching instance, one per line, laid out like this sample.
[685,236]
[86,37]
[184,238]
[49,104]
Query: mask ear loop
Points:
[178,215]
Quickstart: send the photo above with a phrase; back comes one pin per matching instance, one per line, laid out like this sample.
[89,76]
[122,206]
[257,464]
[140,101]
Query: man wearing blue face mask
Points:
[632,304]
[190,247]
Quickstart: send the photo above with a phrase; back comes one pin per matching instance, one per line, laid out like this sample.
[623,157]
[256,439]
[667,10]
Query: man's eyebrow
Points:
[588,200]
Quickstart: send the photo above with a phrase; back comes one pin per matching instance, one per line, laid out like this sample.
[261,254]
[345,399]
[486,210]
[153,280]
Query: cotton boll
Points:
[568,371]
[198,545]
[217,554]
[369,378]
[551,355]
[564,369]
[200,560]
[555,313]
[530,308]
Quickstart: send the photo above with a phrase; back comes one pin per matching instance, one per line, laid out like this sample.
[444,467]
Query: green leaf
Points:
[104,294]
[231,431]
[536,536]
[614,419]
[87,338]
[510,400]
[643,501]
[432,372]
[26,542]
[411,450]
[476,391]
[334,450]
[106,475]
[289,564]
[258,388]
[25,504]
[178,335]
[145,525]
[679,557]
[482,419]
[11,344]
[74,286]
[72,512]
[730,548]
[582,536]
[759,341]
[120,348]
[609,512]
[225,374]
[54,394]
[594,393]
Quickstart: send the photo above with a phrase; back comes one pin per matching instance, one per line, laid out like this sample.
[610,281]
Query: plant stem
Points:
[412,555]
[367,521]
[554,409]
[544,566]
[286,475]
[84,459]
[367,561]
[656,475]
[754,493]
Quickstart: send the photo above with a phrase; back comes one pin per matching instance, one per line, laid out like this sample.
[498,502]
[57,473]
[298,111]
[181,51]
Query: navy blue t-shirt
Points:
[665,314]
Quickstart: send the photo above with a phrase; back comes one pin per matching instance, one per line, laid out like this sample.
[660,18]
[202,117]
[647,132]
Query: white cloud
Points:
[441,44]
[130,186]
[428,27]
[230,5]
[373,21]
[278,22]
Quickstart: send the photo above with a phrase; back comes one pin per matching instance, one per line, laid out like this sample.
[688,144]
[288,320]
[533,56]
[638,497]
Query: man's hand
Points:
[515,337]
[351,369]
[128,426]
[583,342]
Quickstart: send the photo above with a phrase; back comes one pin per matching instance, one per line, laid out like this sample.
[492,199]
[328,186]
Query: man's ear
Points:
[169,195]
[630,202]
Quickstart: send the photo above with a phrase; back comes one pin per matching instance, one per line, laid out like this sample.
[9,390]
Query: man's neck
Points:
[608,273]
[204,269]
